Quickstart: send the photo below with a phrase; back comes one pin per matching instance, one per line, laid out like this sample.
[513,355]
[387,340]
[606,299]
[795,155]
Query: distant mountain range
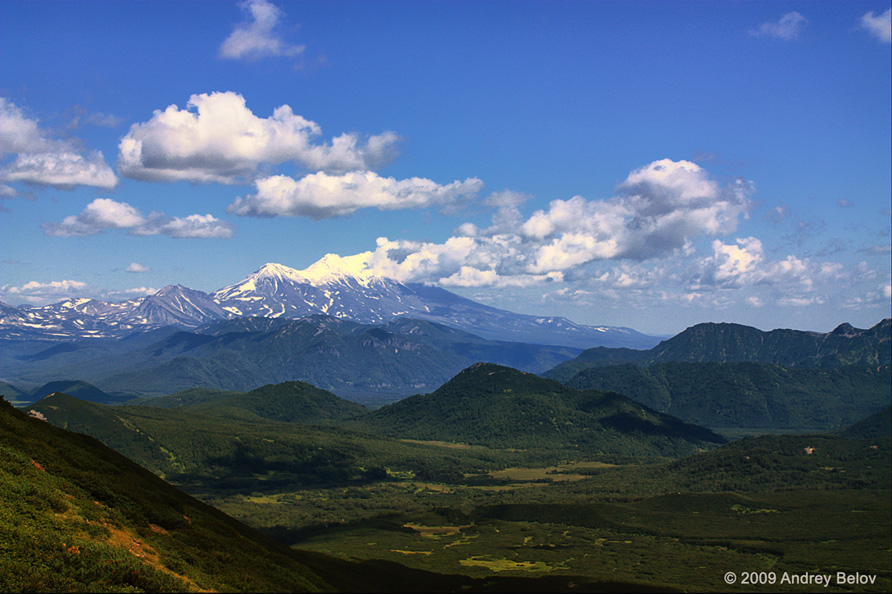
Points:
[734,343]
[375,364]
[728,376]
[400,357]
[334,286]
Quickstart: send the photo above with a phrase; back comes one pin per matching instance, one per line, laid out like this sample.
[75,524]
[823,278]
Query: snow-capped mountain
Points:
[69,319]
[176,305]
[335,286]
[91,318]
[341,287]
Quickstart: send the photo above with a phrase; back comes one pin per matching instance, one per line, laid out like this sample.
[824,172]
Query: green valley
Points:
[505,481]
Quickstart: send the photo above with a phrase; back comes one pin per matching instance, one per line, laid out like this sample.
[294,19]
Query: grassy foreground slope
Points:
[77,514]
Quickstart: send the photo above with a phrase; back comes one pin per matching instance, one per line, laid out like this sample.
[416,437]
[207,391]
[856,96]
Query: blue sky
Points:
[642,164]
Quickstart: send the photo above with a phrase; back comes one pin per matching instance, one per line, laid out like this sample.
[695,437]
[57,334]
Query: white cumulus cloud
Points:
[103,214]
[218,139]
[880,26]
[43,160]
[258,36]
[137,267]
[788,27]
[35,292]
[659,210]
[322,196]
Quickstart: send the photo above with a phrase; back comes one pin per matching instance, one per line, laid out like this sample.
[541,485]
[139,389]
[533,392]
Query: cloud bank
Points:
[658,211]
[218,139]
[38,293]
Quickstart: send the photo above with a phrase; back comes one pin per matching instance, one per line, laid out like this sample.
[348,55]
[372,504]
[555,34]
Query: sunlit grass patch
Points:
[445,444]
[505,564]
[560,472]
[436,531]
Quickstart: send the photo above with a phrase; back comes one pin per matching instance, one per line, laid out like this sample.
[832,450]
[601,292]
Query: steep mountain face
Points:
[90,318]
[72,318]
[333,286]
[725,343]
[501,407]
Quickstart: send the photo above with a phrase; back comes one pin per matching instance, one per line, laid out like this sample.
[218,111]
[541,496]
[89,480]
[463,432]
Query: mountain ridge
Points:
[736,343]
[338,286]
[400,357]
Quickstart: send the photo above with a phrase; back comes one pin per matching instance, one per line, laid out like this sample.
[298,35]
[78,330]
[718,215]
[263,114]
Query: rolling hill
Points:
[291,402]
[76,516]
[876,426]
[496,406]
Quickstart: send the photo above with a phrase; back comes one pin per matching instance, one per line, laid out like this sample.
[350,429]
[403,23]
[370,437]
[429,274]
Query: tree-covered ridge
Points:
[291,402]
[876,426]
[749,395]
[81,389]
[501,407]
[728,343]
[189,397]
